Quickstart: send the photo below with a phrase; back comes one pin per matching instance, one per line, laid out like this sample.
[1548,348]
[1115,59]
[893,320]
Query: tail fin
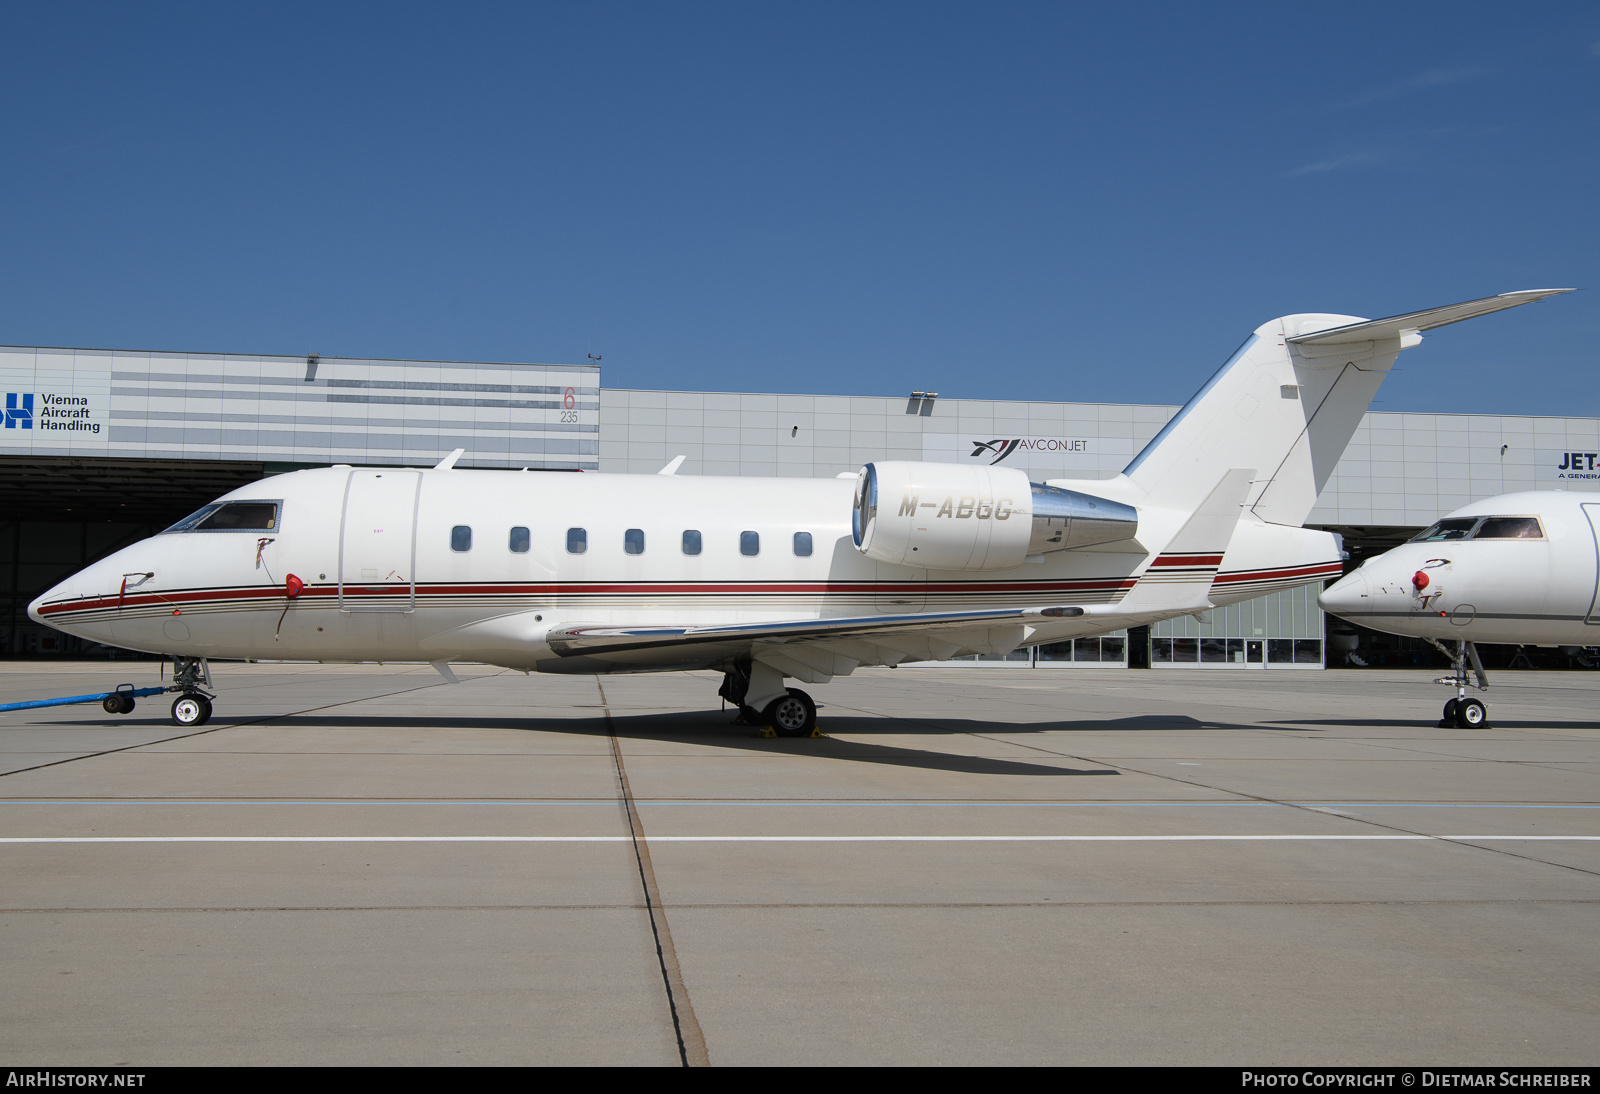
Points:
[1287,403]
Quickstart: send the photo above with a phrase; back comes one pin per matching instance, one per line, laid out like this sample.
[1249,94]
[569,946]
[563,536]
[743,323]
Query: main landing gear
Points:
[193,707]
[1462,712]
[758,691]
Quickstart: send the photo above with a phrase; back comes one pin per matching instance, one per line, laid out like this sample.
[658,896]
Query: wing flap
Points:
[909,633]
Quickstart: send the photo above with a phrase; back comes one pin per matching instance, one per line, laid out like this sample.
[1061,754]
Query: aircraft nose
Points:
[1345,595]
[59,606]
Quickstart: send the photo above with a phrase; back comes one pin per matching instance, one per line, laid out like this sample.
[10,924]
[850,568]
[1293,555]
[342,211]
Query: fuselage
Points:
[376,564]
[1519,568]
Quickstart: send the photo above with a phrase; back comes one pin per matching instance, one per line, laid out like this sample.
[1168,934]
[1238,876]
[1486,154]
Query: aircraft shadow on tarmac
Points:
[715,728]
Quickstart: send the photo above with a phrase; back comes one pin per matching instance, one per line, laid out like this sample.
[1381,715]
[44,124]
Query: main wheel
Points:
[793,715]
[191,710]
[1471,714]
[1448,719]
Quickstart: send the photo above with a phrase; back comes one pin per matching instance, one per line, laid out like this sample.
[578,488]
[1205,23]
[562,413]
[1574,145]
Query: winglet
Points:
[449,461]
[672,468]
[1181,575]
[1414,323]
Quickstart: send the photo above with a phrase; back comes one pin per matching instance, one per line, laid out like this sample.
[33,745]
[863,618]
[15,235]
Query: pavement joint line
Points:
[1356,818]
[1366,820]
[799,803]
[755,906]
[1185,837]
[685,1026]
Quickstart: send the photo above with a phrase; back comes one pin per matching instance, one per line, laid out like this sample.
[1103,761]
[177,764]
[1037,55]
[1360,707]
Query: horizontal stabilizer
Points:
[1399,325]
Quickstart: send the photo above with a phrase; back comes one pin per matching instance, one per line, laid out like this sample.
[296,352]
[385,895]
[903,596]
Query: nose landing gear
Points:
[1461,712]
[193,707]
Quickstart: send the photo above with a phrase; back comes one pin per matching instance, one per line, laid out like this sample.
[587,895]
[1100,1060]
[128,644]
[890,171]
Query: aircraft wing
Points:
[811,649]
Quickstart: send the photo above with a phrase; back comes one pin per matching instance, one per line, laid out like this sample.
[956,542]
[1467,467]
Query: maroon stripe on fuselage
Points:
[181,598]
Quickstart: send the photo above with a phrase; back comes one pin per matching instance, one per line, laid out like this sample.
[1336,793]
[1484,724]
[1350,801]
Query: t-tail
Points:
[1287,403]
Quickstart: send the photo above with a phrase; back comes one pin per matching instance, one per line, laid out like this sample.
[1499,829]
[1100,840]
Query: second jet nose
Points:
[1346,594]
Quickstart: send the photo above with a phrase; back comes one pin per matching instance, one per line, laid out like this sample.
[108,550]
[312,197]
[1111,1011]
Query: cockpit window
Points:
[1510,528]
[1449,528]
[231,516]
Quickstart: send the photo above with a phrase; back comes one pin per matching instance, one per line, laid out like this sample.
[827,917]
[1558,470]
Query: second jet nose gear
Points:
[1462,712]
[757,690]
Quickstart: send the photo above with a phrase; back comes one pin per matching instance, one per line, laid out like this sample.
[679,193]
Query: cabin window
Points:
[1510,528]
[519,541]
[633,541]
[749,543]
[802,544]
[691,541]
[577,541]
[461,538]
[231,516]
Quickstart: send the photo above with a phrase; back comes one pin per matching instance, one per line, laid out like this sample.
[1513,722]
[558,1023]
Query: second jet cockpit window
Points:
[231,516]
[1510,528]
[1450,528]
[1483,528]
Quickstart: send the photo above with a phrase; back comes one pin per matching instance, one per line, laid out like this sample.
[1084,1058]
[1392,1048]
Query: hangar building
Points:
[101,448]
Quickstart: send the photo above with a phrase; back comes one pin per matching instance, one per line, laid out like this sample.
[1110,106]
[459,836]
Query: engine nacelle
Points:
[940,516]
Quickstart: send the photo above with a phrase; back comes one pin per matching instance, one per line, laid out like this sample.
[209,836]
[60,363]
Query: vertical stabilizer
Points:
[1287,413]
[1287,403]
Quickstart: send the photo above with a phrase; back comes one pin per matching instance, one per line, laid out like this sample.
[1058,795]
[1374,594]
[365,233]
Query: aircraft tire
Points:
[1471,714]
[1448,719]
[191,711]
[793,715]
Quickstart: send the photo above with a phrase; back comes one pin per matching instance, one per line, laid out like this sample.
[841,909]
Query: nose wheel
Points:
[1462,712]
[1471,714]
[191,710]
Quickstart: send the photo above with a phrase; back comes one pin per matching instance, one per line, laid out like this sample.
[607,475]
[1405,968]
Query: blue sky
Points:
[1050,201]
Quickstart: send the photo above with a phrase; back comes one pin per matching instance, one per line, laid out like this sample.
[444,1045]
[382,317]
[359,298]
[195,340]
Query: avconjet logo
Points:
[1002,447]
[19,415]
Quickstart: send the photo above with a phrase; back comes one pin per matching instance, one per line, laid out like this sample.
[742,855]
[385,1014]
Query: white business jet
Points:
[1521,569]
[763,579]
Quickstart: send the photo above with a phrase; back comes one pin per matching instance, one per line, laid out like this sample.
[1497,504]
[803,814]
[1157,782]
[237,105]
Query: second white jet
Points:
[1519,569]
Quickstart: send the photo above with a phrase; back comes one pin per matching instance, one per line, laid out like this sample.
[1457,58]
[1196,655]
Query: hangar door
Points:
[378,542]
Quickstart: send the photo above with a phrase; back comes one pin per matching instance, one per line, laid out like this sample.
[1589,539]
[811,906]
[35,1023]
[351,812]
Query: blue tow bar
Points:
[125,690]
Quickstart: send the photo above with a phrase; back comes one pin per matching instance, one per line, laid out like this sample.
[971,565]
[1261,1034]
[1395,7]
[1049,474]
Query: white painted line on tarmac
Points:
[1272,838]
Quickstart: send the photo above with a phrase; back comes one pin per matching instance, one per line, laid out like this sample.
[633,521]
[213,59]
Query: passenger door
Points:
[378,541]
